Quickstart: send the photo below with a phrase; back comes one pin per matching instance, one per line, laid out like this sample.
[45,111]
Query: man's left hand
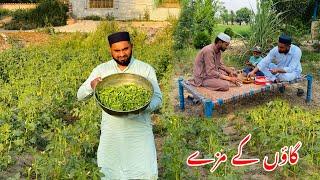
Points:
[274,71]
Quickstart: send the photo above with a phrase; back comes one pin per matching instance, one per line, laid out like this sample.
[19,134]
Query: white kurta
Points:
[289,62]
[126,149]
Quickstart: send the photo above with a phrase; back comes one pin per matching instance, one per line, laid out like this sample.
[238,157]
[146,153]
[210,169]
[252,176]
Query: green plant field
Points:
[40,115]
[243,30]
[277,124]
[39,112]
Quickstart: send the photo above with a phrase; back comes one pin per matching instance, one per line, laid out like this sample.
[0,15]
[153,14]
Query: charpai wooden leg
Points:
[208,108]
[309,88]
[181,93]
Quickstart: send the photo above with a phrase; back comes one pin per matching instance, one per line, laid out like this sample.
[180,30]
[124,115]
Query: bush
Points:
[229,32]
[244,33]
[108,17]
[196,16]
[51,12]
[184,28]
[18,25]
[204,15]
[21,20]
[48,13]
[22,15]
[3,13]
[93,17]
[201,39]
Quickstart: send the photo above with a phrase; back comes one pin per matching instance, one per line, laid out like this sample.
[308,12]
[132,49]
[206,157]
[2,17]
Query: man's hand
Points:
[234,74]
[248,63]
[277,70]
[251,74]
[235,80]
[95,82]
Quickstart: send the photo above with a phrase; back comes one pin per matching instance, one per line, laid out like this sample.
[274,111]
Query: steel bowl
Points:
[123,79]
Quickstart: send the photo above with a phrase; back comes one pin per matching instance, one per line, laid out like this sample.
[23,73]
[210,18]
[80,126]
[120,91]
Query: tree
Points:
[297,13]
[196,16]
[243,15]
[232,17]
[204,15]
[183,32]
[224,14]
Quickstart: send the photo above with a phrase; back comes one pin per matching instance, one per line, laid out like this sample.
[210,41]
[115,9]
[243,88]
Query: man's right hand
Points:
[235,80]
[95,82]
[251,74]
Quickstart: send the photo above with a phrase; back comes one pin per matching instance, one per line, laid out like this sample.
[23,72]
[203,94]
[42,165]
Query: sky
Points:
[238,4]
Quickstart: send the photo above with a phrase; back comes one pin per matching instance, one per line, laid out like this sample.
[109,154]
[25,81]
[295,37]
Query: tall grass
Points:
[265,25]
[3,13]
[240,31]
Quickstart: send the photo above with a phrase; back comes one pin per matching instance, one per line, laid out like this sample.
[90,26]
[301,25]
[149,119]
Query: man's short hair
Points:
[217,40]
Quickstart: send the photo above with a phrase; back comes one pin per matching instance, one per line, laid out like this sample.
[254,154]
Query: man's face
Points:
[256,53]
[121,52]
[283,48]
[224,46]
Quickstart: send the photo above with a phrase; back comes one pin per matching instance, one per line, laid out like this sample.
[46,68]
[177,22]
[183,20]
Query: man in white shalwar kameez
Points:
[282,63]
[127,148]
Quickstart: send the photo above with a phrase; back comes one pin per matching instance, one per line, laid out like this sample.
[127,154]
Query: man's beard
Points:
[125,62]
[284,52]
[222,49]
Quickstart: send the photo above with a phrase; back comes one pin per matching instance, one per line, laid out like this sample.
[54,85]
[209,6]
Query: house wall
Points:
[162,14]
[124,10]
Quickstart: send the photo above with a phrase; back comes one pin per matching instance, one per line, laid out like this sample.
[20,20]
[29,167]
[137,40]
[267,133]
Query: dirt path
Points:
[79,26]
[3,42]
[26,38]
[91,26]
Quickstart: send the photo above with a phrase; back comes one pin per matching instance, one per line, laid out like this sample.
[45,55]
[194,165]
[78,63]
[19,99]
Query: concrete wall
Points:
[162,14]
[124,10]
[15,6]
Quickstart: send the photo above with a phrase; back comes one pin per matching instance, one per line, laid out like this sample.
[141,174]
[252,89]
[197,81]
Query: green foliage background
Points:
[47,13]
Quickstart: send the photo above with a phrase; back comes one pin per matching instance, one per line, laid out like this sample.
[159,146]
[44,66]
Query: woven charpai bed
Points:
[211,98]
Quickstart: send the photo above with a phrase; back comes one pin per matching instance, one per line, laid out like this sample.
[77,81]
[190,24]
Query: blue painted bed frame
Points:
[209,104]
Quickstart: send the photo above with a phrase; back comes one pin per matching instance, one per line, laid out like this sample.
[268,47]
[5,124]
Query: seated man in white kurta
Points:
[282,63]
[126,149]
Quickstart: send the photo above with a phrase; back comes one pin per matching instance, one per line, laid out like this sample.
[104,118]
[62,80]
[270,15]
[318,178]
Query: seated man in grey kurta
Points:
[209,70]
[126,148]
[282,63]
